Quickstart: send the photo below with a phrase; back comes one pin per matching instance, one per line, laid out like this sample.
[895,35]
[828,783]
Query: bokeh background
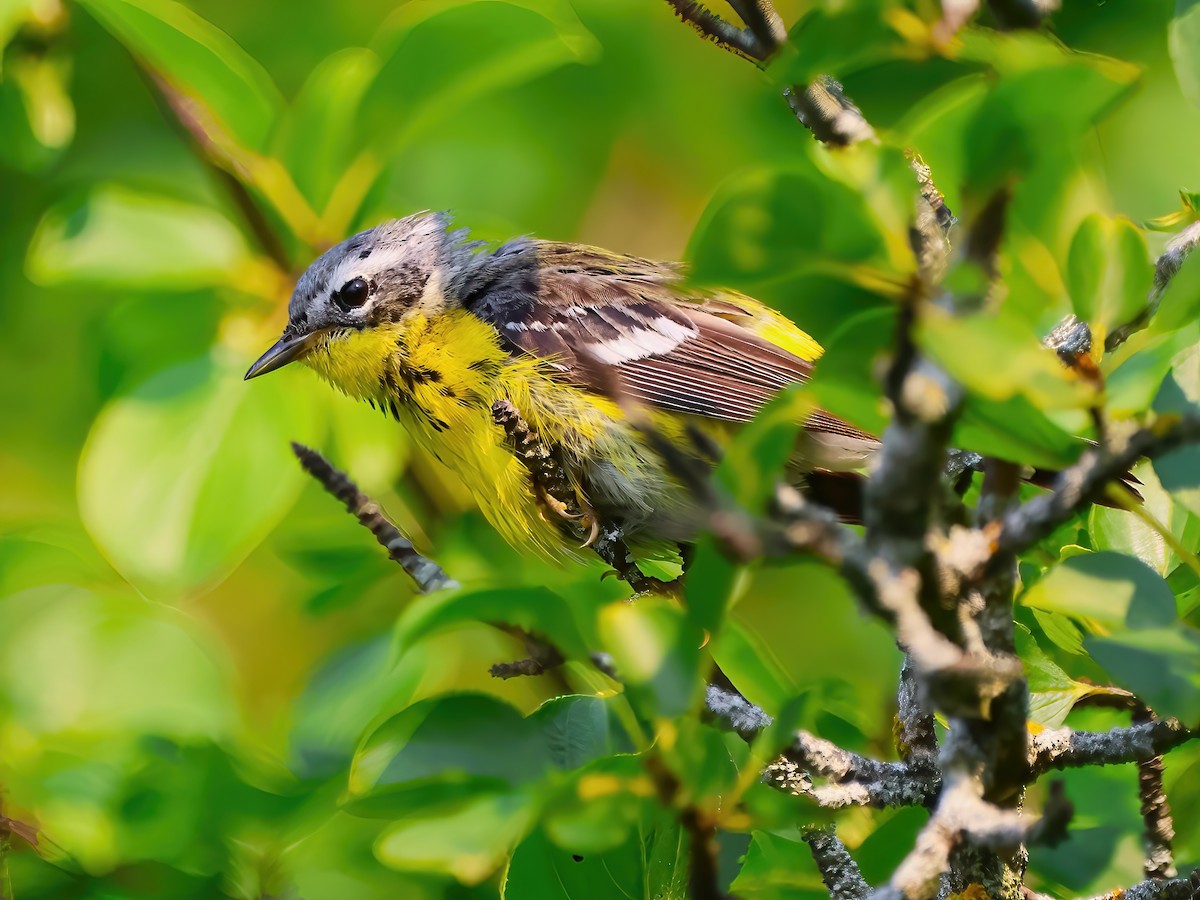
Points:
[193,636]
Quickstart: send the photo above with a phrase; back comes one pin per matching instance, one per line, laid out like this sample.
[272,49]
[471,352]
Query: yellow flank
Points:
[440,374]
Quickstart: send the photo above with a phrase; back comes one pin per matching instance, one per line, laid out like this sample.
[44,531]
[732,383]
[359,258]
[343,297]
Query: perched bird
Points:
[492,355]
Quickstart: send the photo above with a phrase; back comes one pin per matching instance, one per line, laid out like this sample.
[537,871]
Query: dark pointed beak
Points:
[288,348]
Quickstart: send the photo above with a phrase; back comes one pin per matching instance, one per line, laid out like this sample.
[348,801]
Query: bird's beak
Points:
[288,348]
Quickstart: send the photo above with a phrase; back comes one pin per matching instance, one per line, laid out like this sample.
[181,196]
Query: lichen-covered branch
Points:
[1063,748]
[839,871]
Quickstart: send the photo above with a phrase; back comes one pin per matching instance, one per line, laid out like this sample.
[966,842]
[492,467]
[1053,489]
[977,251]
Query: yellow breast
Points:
[439,375]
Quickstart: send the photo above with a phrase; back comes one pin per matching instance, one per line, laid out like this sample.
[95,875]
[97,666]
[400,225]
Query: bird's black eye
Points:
[353,293]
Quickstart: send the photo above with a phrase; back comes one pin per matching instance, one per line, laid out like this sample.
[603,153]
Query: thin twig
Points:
[427,574]
[724,34]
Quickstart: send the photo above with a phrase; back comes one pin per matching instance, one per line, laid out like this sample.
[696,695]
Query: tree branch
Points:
[724,34]
[839,871]
[1082,484]
[1063,748]
[427,574]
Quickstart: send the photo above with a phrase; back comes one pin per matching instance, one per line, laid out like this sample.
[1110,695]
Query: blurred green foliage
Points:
[211,681]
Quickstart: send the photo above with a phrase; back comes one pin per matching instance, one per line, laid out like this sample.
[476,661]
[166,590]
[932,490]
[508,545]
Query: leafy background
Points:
[213,684]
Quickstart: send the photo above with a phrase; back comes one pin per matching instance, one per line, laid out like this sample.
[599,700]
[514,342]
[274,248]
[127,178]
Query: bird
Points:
[534,356]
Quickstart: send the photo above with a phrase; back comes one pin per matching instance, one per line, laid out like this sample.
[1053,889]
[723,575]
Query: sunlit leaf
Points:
[117,237]
[198,60]
[1052,693]
[469,840]
[1108,272]
[656,650]
[1183,38]
[317,135]
[997,357]
[1129,533]
[36,113]
[82,664]
[183,477]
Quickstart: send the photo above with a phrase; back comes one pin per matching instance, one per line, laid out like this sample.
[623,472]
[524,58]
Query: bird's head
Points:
[375,278]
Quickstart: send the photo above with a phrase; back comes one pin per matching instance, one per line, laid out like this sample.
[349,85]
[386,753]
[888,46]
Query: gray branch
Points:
[1159,889]
[1063,748]
[839,871]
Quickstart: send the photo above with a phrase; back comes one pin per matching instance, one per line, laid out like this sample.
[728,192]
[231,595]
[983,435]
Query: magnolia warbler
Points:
[438,329]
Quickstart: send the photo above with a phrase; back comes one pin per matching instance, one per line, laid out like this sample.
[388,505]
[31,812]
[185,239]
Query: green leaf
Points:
[777,223]
[595,809]
[656,650]
[1108,272]
[83,665]
[183,477]
[653,863]
[120,238]
[998,357]
[198,60]
[469,840]
[1160,665]
[317,135]
[578,729]
[1033,114]
[713,584]
[37,117]
[1183,40]
[778,861]
[1111,591]
[1126,532]
[495,43]
[848,38]
[538,610]
[469,741]
[1052,692]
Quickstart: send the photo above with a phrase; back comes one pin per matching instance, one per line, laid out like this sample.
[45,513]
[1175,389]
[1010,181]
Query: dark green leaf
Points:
[537,610]
[1111,590]
[458,738]
[1160,665]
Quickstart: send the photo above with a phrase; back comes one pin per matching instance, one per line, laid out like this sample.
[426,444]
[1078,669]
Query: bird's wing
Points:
[616,323]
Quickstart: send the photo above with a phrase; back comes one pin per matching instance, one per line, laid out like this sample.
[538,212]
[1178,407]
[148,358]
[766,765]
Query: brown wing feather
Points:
[606,320]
